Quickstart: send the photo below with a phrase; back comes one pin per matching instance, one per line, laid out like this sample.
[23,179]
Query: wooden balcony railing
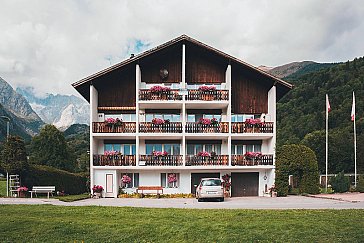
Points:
[171,127]
[196,94]
[168,160]
[194,127]
[242,160]
[114,160]
[125,127]
[194,160]
[242,127]
[146,94]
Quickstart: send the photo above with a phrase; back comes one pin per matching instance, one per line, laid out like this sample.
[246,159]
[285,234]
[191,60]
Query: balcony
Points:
[213,95]
[242,160]
[243,127]
[194,127]
[147,94]
[125,127]
[114,160]
[170,127]
[194,160]
[167,160]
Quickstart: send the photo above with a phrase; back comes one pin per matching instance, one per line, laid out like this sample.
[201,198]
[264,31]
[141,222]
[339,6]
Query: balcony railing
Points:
[171,127]
[207,95]
[242,127]
[114,160]
[146,94]
[242,160]
[168,160]
[125,127]
[194,160]
[194,127]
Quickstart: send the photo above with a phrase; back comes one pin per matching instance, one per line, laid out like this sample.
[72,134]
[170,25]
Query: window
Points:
[127,149]
[196,117]
[134,180]
[170,180]
[170,117]
[124,117]
[196,86]
[242,149]
[171,149]
[193,149]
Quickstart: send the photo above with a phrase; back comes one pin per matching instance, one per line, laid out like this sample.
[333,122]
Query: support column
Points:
[138,79]
[228,113]
[93,118]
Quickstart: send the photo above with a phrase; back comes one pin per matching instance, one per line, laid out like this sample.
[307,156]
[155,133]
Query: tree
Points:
[50,148]
[299,161]
[14,156]
[317,141]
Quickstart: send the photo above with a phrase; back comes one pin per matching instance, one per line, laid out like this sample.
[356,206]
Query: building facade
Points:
[181,112]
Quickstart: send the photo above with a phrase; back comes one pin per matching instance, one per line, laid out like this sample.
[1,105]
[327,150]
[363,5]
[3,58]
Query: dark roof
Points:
[183,38]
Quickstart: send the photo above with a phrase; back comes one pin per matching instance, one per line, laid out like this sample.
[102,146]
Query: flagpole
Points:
[354,140]
[327,140]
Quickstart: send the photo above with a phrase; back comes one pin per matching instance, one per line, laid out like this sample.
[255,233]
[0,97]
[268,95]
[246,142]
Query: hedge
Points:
[41,175]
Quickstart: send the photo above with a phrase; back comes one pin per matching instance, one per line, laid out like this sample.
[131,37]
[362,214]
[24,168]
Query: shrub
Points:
[340,183]
[301,162]
[360,184]
[41,175]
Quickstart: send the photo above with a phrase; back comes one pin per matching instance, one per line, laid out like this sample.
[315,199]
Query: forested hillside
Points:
[301,113]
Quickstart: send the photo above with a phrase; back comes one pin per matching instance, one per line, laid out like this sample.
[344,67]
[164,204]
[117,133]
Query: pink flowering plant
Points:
[112,153]
[207,121]
[22,189]
[251,121]
[160,153]
[204,154]
[157,89]
[97,188]
[126,179]
[253,155]
[113,122]
[159,121]
[206,88]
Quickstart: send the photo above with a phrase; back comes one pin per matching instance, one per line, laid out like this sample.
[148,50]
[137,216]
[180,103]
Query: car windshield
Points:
[211,183]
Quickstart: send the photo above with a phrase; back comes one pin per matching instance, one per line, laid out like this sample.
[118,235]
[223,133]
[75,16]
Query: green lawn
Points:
[2,188]
[46,223]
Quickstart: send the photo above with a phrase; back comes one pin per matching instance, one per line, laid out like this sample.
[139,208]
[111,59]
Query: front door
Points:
[109,190]
[244,184]
[196,178]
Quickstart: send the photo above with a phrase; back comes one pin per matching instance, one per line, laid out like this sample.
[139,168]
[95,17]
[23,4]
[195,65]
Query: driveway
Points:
[290,202]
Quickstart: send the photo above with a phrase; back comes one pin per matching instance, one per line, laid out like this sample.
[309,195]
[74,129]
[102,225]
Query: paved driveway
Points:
[290,202]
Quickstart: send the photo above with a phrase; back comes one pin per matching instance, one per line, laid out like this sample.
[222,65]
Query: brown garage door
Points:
[196,178]
[244,184]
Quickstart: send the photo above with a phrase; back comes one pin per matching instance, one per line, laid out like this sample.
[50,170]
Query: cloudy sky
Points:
[50,44]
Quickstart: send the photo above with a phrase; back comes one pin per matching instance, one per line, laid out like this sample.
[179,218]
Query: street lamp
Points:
[7,139]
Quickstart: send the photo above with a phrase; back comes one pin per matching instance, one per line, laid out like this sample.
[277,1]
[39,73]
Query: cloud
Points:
[50,44]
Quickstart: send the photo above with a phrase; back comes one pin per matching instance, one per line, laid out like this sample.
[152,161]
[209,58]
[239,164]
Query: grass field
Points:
[46,223]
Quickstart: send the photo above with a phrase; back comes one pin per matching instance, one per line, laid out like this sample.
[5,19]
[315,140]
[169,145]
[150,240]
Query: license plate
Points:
[211,192]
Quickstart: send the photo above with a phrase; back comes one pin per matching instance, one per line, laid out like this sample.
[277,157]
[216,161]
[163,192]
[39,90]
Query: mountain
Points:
[59,110]
[18,108]
[301,113]
[295,69]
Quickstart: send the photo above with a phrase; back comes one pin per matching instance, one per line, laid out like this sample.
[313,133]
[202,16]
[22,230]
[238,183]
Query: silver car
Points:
[210,188]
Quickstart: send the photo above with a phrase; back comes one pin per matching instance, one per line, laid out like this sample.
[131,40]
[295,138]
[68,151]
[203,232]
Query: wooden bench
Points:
[150,190]
[42,189]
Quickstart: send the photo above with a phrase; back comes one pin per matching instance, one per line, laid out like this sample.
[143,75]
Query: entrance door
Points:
[244,184]
[196,178]
[109,190]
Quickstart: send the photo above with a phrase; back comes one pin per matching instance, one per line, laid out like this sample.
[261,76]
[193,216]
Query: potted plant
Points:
[22,191]
[160,153]
[97,190]
[253,125]
[273,191]
[126,180]
[113,123]
[203,154]
[160,92]
[226,184]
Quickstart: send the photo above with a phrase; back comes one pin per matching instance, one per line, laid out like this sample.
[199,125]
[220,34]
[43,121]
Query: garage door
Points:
[196,178]
[244,184]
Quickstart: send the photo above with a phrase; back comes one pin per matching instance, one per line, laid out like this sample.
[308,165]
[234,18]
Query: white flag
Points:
[353,109]
[328,107]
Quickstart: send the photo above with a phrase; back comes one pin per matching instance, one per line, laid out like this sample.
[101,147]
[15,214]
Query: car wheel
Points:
[222,199]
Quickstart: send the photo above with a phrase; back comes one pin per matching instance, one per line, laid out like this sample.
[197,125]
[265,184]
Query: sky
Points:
[48,45]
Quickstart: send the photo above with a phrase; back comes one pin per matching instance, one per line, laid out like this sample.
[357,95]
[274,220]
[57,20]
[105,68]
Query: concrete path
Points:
[290,202]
